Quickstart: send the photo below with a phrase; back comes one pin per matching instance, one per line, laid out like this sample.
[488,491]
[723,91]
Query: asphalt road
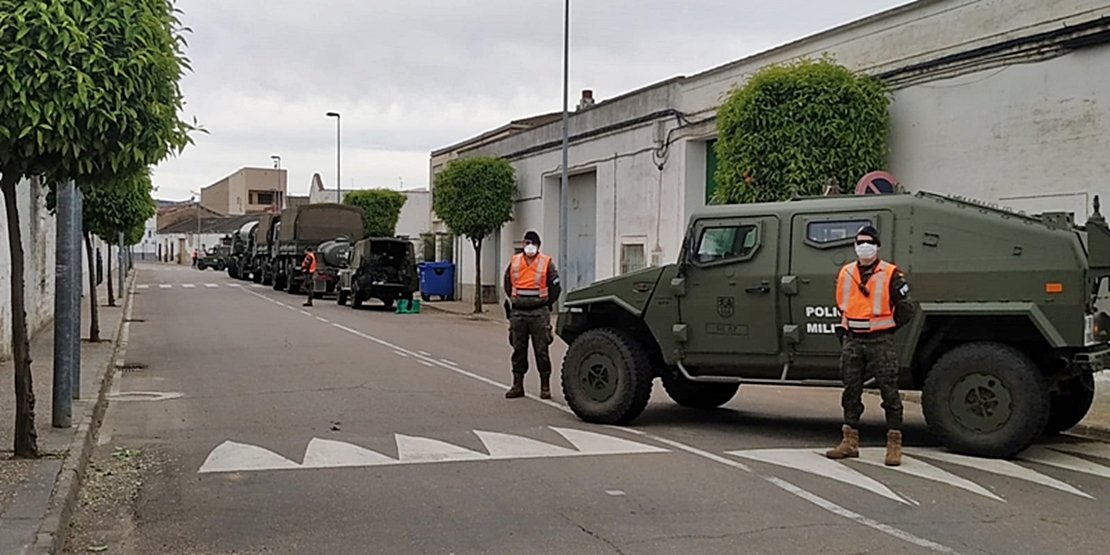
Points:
[268,428]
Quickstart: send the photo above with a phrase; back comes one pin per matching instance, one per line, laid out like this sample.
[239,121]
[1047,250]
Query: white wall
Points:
[39,235]
[416,214]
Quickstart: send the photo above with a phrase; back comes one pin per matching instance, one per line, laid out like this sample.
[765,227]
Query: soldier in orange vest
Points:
[874,301]
[532,285]
[308,267]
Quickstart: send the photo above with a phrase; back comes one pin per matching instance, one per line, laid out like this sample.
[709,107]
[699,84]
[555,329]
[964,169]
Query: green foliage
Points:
[90,87]
[381,208]
[118,206]
[474,196]
[794,126]
[134,235]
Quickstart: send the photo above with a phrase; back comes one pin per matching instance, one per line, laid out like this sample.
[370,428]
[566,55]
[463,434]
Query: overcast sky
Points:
[411,76]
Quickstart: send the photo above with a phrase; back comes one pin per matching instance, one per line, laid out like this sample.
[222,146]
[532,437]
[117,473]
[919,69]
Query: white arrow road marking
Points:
[326,453]
[875,456]
[996,466]
[505,446]
[421,449]
[590,443]
[1092,449]
[236,457]
[817,463]
[1045,456]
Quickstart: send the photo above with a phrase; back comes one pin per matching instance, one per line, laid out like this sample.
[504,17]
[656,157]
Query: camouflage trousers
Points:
[862,358]
[534,325]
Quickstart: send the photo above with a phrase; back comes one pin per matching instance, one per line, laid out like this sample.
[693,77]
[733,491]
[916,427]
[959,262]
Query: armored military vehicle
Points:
[242,245]
[1003,346]
[215,258]
[306,226]
[381,268]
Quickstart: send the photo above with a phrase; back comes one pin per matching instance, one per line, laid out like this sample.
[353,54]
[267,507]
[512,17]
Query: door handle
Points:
[760,289]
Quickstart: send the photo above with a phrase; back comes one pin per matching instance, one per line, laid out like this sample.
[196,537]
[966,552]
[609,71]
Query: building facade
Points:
[247,191]
[1000,101]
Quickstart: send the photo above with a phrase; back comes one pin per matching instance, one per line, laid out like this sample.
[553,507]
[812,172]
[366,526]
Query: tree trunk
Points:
[94,319]
[111,297]
[26,439]
[477,275]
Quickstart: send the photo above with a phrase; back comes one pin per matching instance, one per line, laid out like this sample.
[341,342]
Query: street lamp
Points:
[338,149]
[566,118]
[277,165]
[196,243]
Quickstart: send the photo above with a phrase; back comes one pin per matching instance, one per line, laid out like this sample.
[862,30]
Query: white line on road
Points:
[615,492]
[324,320]
[211,285]
[445,361]
[142,287]
[305,312]
[428,364]
[234,285]
[165,286]
[189,286]
[400,354]
[425,353]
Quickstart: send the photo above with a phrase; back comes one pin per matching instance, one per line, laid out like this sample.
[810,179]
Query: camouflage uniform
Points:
[867,355]
[528,320]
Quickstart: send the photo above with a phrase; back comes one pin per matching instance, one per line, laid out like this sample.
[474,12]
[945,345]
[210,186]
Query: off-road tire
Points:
[256,276]
[1013,370]
[278,283]
[632,372]
[696,395]
[1070,406]
[341,299]
[202,267]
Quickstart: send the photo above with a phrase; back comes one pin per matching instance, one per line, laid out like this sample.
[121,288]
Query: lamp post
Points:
[563,186]
[338,150]
[196,243]
[277,164]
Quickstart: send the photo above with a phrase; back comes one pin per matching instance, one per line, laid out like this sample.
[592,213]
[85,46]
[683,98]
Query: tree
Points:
[381,208]
[90,91]
[795,126]
[474,197]
[109,209]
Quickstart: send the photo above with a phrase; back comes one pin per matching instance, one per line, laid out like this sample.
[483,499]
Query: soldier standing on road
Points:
[308,268]
[874,300]
[532,284]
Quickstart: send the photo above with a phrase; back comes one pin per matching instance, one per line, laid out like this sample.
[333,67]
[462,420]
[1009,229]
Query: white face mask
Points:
[531,250]
[867,252]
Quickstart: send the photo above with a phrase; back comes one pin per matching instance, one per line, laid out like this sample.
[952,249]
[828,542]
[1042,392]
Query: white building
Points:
[317,193]
[1008,102]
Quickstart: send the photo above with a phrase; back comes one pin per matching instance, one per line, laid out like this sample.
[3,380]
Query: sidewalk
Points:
[490,312]
[36,495]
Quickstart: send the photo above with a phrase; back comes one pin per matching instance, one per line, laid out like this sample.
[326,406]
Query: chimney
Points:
[587,100]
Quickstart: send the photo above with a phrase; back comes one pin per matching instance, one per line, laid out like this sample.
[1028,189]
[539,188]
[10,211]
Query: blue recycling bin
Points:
[437,279]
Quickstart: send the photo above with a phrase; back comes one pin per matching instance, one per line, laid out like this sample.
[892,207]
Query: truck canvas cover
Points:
[320,222]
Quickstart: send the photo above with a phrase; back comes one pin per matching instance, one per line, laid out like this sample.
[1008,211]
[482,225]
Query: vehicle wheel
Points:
[606,377]
[200,267]
[1069,406]
[697,395]
[985,400]
[278,283]
[425,297]
[256,276]
[294,286]
[388,303]
[356,300]
[342,298]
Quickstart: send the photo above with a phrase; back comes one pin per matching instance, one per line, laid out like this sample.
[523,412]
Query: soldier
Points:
[874,300]
[308,268]
[532,284]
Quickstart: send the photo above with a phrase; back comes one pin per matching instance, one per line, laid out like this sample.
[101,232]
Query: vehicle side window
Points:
[723,243]
[833,231]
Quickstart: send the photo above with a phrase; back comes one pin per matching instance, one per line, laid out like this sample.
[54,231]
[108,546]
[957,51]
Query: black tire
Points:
[256,276]
[201,267]
[294,287]
[696,395]
[356,300]
[278,283]
[616,386]
[1070,406]
[985,400]
[388,303]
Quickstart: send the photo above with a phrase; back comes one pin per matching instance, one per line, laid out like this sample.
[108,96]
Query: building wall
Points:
[217,197]
[39,234]
[416,216]
[237,194]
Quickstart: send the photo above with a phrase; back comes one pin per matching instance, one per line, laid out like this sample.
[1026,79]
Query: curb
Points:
[468,316]
[51,535]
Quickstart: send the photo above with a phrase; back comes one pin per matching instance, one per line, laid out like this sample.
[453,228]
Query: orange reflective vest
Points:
[530,279]
[861,313]
[309,263]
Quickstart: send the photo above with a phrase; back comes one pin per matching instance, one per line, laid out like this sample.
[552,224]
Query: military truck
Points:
[240,258]
[1004,343]
[306,226]
[382,268]
[262,249]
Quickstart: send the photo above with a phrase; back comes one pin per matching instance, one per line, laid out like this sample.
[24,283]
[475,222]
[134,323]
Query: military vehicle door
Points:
[821,244]
[730,301]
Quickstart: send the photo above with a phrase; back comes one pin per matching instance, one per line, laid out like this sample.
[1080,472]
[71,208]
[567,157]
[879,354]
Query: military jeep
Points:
[215,258]
[1004,343]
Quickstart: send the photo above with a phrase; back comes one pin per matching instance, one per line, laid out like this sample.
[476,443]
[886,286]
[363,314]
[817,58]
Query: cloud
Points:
[413,76]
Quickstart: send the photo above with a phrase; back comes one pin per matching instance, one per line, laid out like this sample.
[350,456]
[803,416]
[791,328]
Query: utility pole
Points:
[564,185]
[122,265]
[79,285]
[338,158]
[67,316]
[277,164]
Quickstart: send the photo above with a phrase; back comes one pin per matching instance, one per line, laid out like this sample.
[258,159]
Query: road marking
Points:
[319,319]
[165,286]
[875,456]
[428,364]
[400,354]
[445,361]
[142,287]
[211,285]
[258,285]
[146,395]
[615,492]
[1090,449]
[234,285]
[231,456]
[425,353]
[188,286]
[996,466]
[1045,456]
[305,312]
[813,462]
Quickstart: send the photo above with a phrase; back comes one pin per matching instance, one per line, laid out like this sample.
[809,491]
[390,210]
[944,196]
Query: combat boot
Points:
[545,386]
[849,445]
[517,390]
[893,448]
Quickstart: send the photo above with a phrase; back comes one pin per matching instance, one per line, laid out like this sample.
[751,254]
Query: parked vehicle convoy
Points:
[1004,344]
[239,260]
[311,225]
[382,268]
